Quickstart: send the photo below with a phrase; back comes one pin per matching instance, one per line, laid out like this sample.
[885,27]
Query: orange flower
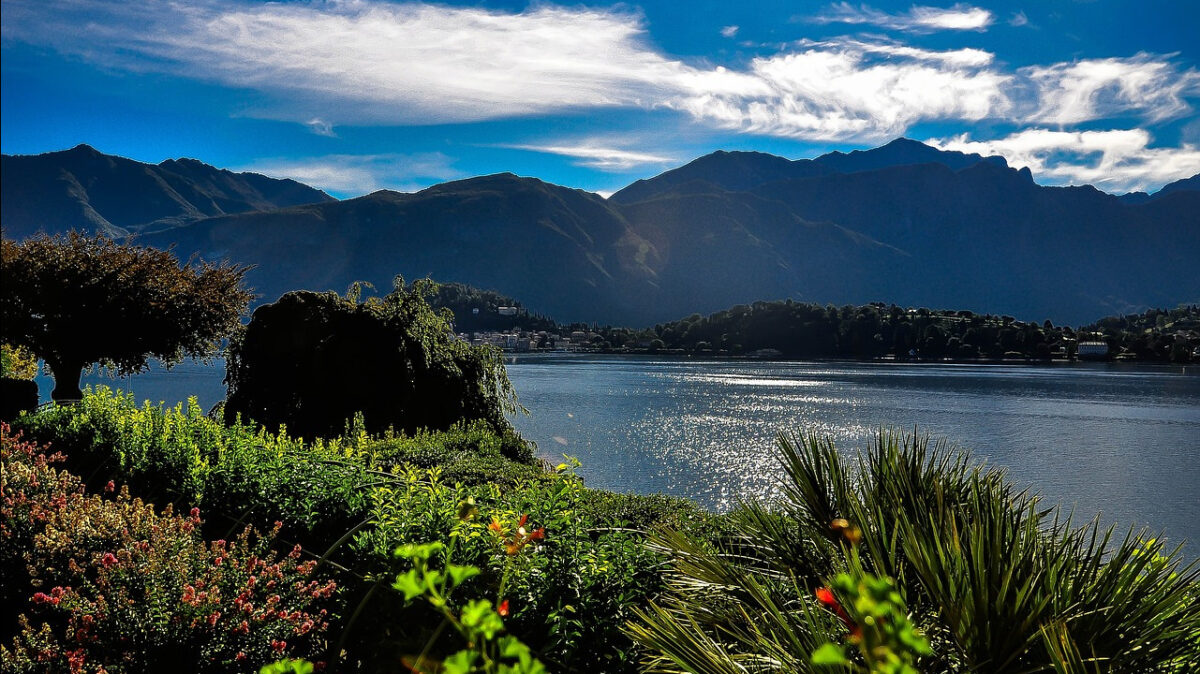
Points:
[495,526]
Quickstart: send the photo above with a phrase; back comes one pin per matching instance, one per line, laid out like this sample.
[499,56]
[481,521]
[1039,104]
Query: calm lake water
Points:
[1120,440]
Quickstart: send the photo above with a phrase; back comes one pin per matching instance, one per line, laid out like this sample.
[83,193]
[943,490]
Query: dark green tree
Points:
[75,300]
[311,361]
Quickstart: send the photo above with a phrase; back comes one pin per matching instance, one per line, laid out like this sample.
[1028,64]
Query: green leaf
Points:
[460,663]
[287,667]
[459,573]
[479,617]
[411,584]
[512,647]
[829,655]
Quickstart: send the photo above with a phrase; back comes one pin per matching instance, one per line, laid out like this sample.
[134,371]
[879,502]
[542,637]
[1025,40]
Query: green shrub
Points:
[361,496]
[113,585]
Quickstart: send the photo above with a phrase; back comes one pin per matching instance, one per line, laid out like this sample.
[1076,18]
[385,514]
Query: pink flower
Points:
[109,560]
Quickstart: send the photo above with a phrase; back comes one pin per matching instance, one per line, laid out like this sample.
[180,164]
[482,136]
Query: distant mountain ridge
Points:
[903,223]
[736,171]
[82,188]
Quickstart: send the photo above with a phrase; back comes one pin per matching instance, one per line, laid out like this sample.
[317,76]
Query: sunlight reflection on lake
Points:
[1118,439]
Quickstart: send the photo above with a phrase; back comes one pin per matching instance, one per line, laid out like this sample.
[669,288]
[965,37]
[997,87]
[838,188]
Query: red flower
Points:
[503,609]
[110,487]
[825,596]
[109,560]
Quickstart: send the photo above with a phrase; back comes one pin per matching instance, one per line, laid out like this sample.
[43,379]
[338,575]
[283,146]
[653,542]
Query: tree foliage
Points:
[478,310]
[75,300]
[311,361]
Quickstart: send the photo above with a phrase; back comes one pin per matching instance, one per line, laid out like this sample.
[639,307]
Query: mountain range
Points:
[903,223]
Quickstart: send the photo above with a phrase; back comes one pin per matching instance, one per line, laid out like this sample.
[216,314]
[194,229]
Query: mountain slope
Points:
[736,171]
[563,251]
[904,223]
[84,189]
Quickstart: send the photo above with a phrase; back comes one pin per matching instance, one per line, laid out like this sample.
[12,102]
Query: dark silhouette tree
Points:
[311,361]
[76,300]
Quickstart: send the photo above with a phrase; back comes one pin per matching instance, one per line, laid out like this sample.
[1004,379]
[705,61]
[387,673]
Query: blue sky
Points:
[358,95]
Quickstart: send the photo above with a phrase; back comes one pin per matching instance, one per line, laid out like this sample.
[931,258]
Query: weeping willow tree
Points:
[988,578]
[312,361]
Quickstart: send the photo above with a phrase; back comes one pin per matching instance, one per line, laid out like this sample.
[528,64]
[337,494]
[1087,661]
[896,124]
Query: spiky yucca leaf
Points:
[998,582]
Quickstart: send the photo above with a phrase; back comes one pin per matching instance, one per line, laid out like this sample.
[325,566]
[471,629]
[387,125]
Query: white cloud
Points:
[841,93]
[369,62]
[353,175]
[321,127]
[1018,19]
[968,57]
[729,31]
[1082,91]
[1118,160]
[918,19]
[599,155]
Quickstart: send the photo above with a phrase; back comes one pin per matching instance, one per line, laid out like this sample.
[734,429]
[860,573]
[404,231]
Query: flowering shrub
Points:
[361,496]
[112,585]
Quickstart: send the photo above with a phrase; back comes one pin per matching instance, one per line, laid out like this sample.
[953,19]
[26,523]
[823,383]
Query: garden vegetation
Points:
[290,534]
[938,564]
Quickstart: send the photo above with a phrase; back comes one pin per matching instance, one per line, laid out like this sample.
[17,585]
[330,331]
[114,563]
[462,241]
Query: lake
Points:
[1116,439]
[1121,440]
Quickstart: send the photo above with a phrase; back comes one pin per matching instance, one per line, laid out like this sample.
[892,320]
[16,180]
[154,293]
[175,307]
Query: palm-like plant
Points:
[998,582]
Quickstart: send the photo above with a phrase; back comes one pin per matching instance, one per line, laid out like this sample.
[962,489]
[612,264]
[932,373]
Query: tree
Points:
[76,300]
[312,361]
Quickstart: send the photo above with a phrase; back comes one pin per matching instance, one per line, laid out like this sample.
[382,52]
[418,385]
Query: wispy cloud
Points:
[1116,160]
[1018,19]
[1081,91]
[366,62]
[729,31]
[918,19]
[321,127]
[353,175]
[599,155]
[968,57]
[369,62]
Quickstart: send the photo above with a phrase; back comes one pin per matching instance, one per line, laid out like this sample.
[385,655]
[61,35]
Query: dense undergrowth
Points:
[351,501]
[909,558]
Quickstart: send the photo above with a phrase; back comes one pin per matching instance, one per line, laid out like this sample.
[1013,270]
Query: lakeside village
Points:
[579,338]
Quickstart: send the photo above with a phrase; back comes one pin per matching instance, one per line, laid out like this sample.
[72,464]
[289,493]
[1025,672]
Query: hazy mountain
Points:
[1186,185]
[903,223]
[84,189]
